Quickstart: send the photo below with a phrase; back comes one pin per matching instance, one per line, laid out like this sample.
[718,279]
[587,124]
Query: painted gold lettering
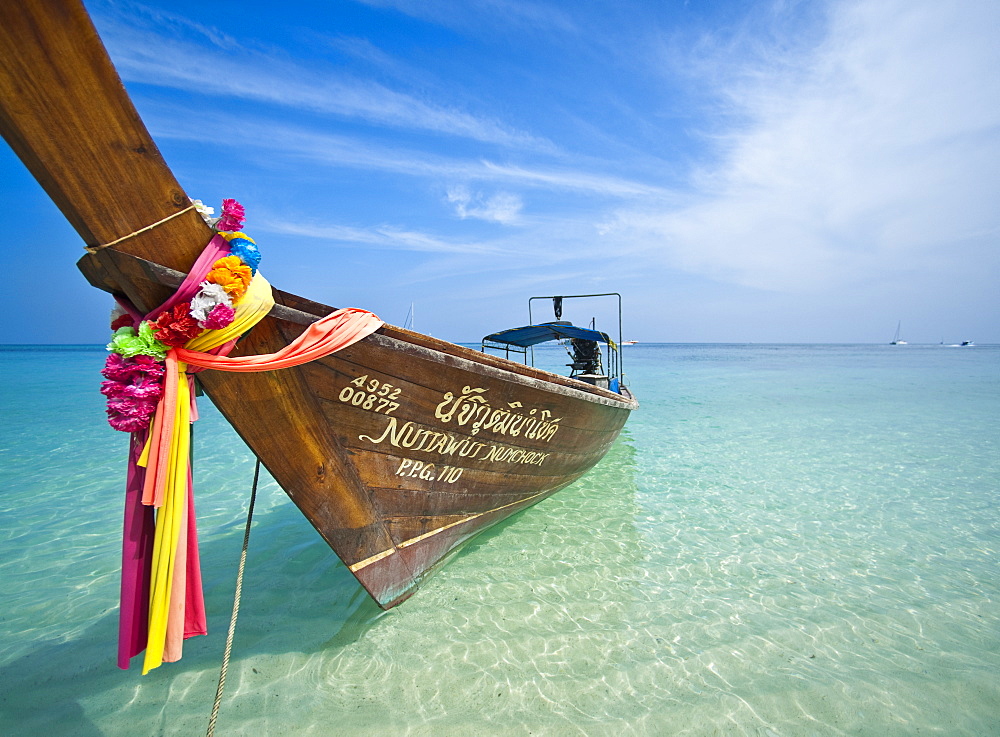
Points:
[391,431]
[410,438]
[446,410]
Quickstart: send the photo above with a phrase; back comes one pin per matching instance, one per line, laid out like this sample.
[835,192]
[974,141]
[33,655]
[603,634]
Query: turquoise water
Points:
[786,540]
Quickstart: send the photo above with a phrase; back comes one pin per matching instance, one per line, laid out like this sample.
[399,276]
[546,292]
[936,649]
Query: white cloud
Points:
[502,207]
[383,236]
[485,15]
[858,159]
[575,179]
[154,57]
[877,152]
[294,142]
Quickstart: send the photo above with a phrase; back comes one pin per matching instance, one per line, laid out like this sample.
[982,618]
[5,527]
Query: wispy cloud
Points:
[299,143]
[846,153]
[384,237]
[584,181]
[552,246]
[873,153]
[501,207]
[150,54]
[486,15]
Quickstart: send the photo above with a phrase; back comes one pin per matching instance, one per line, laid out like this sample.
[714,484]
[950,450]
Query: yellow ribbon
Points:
[171,519]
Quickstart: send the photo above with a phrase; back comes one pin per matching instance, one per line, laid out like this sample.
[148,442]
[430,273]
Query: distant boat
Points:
[967,343]
[629,342]
[895,339]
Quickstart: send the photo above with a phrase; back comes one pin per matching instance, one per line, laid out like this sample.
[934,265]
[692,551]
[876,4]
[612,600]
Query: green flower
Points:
[128,343]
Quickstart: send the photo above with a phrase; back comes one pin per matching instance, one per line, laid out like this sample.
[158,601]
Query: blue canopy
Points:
[534,334]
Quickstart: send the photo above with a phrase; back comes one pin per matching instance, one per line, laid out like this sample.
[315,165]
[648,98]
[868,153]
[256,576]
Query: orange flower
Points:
[232,275]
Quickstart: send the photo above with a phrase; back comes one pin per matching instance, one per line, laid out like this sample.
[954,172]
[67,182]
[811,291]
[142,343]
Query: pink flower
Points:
[131,408]
[116,367]
[120,368]
[133,389]
[129,422]
[129,414]
[149,390]
[220,317]
[149,366]
[233,216]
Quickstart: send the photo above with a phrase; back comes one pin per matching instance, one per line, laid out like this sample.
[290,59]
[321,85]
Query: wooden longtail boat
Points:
[399,448]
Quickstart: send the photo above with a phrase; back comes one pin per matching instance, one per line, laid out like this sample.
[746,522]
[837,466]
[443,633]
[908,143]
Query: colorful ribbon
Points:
[162,602]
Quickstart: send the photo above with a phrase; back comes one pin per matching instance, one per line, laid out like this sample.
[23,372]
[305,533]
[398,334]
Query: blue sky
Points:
[767,172]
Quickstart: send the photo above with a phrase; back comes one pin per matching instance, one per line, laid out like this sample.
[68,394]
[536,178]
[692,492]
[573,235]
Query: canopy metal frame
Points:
[615,367]
[527,353]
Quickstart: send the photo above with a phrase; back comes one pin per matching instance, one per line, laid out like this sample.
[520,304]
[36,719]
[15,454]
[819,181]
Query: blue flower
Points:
[247,252]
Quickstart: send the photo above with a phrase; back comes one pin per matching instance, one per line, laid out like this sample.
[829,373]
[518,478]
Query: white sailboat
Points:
[895,338]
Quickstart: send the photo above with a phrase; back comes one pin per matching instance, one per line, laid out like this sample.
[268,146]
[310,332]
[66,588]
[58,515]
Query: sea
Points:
[785,541]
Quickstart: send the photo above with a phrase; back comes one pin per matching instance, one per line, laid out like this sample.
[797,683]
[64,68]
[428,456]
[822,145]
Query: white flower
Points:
[206,300]
[205,211]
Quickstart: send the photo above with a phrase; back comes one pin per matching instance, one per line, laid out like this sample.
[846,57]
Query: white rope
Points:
[95,249]
[236,607]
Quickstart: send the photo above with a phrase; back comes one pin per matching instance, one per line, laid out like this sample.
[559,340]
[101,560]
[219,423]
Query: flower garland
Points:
[134,386]
[135,369]
[149,388]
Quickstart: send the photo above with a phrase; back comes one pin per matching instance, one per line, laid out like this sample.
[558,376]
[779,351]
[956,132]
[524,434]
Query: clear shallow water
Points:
[786,540]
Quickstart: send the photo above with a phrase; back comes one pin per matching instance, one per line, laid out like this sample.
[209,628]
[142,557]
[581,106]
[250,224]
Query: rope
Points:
[236,608]
[95,249]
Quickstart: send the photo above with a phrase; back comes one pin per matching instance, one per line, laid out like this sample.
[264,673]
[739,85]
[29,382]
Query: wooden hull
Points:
[399,448]
[416,449]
